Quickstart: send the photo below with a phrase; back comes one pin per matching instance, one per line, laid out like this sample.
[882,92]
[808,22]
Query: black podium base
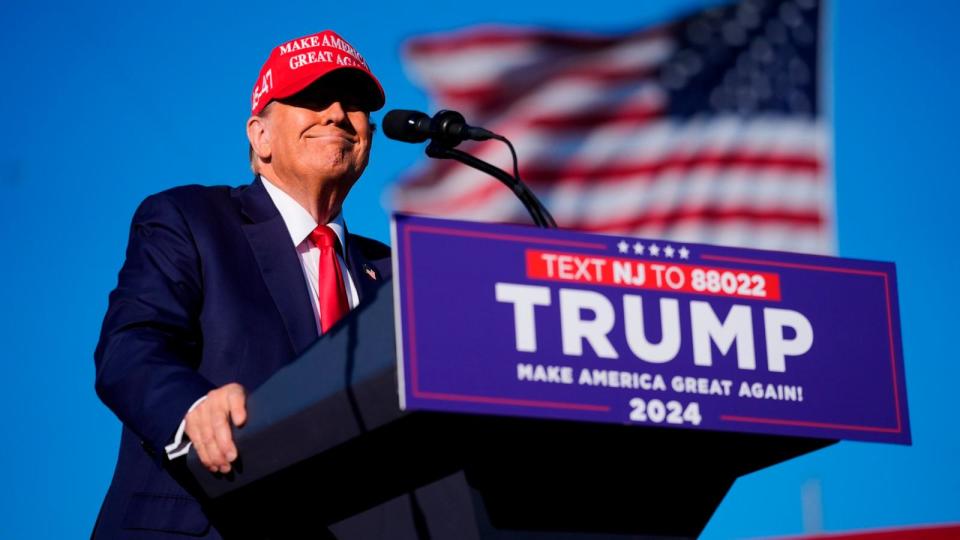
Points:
[327,453]
[453,477]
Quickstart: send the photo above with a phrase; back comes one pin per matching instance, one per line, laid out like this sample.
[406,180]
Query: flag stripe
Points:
[615,172]
[631,114]
[462,186]
[652,144]
[706,214]
[571,201]
[470,72]
[457,42]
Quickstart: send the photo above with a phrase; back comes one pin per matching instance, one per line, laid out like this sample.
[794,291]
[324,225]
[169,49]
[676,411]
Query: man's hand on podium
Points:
[208,426]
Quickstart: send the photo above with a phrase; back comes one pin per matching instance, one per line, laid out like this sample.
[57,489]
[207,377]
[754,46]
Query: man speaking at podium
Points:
[223,286]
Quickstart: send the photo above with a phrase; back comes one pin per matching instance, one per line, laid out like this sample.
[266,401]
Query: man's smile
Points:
[331,136]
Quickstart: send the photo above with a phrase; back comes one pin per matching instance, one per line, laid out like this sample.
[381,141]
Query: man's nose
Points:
[335,112]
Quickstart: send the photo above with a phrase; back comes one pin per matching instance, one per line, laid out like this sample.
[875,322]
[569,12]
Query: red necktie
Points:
[333,295]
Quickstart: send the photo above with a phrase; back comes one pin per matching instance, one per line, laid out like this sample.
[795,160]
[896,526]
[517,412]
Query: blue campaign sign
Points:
[510,320]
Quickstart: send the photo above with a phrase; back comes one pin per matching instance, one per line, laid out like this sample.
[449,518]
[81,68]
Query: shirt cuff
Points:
[181,443]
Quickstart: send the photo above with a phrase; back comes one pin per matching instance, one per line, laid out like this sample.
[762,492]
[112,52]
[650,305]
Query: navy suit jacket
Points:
[211,292]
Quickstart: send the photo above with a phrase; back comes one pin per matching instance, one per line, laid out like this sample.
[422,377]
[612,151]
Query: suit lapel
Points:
[279,264]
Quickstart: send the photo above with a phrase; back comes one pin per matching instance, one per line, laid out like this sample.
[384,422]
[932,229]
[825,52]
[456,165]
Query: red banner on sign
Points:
[655,275]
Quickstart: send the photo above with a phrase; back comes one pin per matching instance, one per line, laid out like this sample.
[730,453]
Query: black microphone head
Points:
[448,128]
[407,126]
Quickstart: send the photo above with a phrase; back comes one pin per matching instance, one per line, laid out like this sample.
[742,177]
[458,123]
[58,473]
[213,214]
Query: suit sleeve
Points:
[150,344]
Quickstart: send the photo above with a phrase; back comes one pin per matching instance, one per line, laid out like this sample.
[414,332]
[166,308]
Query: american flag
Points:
[709,128]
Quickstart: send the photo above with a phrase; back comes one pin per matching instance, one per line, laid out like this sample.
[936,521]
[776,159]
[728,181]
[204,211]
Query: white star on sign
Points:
[654,250]
[623,246]
[684,252]
[637,248]
[668,251]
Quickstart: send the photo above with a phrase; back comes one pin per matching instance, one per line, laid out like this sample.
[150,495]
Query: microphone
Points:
[448,128]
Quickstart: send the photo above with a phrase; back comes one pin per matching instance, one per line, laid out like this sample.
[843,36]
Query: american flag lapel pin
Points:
[370,271]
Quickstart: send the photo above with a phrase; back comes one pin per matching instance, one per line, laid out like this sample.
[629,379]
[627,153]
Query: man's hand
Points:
[208,426]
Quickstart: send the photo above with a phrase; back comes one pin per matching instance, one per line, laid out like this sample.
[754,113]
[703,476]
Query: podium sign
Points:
[518,321]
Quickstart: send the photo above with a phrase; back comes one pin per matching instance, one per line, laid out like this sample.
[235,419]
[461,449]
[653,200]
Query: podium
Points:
[507,385]
[326,445]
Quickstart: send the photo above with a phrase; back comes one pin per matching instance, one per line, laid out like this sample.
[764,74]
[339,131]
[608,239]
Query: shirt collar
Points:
[299,222]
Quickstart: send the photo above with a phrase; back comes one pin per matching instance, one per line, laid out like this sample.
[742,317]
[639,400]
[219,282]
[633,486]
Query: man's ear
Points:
[259,137]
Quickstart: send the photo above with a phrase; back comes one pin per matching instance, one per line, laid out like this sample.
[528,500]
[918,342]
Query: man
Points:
[223,286]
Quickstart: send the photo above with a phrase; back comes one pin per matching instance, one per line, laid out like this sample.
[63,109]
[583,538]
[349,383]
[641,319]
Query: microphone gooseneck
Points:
[446,130]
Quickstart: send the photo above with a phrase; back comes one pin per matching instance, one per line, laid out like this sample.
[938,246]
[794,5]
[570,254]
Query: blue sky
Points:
[110,102]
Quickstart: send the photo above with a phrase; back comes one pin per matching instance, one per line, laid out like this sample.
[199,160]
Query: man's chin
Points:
[336,173]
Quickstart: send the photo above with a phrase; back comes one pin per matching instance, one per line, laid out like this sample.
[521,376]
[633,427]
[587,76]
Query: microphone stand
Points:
[537,211]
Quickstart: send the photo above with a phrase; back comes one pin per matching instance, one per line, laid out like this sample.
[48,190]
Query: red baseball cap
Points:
[296,64]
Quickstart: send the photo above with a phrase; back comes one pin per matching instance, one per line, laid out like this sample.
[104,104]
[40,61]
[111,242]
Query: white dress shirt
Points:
[299,224]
